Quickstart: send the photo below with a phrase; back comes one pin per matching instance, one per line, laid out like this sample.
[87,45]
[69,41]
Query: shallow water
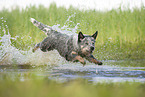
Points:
[69,71]
[106,73]
[57,68]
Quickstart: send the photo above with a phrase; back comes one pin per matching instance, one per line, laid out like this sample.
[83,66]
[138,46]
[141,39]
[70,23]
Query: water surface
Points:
[69,71]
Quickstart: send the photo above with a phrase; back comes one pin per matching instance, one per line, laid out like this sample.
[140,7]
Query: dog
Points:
[71,47]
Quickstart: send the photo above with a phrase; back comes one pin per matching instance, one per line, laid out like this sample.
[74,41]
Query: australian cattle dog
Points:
[71,47]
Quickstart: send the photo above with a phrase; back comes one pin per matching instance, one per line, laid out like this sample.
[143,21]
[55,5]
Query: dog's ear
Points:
[95,35]
[80,36]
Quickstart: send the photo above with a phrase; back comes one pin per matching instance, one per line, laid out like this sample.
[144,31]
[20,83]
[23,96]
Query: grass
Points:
[121,33]
[121,36]
[37,87]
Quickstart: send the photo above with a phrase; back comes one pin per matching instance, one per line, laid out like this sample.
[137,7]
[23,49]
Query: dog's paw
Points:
[100,63]
[84,63]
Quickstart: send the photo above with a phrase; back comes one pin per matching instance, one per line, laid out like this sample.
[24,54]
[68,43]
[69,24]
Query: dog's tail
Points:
[46,29]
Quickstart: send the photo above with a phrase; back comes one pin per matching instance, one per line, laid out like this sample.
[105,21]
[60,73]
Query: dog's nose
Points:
[92,48]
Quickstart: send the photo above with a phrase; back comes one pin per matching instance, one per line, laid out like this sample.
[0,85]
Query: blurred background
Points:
[120,45]
[102,5]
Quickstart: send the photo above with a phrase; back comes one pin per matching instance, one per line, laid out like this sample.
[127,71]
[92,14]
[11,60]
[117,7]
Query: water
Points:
[23,64]
[71,71]
[9,54]
[107,73]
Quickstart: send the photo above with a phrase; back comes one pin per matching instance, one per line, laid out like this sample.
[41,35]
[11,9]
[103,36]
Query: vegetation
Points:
[121,36]
[121,33]
[37,87]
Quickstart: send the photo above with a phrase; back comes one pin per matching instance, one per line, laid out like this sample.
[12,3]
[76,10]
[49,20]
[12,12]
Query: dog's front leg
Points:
[92,59]
[80,59]
[76,57]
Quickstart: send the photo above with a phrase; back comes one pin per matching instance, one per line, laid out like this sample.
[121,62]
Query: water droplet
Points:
[30,37]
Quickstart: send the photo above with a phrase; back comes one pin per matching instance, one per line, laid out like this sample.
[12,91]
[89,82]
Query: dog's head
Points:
[87,43]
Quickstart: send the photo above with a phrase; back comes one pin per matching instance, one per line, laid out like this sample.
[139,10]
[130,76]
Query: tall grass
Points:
[121,33]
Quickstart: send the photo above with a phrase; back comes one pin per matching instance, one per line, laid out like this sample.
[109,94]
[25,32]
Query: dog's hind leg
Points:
[36,47]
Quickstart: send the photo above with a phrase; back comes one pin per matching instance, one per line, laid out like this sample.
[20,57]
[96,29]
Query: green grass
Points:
[121,33]
[121,36]
[44,87]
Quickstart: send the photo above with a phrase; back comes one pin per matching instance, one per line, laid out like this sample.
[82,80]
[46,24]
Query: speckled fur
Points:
[71,47]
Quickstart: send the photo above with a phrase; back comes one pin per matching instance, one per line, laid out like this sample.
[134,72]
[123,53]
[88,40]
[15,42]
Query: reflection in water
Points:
[66,72]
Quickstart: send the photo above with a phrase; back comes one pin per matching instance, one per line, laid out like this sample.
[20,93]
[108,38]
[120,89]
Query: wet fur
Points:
[71,47]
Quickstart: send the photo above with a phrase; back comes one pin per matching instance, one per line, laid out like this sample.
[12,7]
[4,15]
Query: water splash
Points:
[9,54]
[66,28]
